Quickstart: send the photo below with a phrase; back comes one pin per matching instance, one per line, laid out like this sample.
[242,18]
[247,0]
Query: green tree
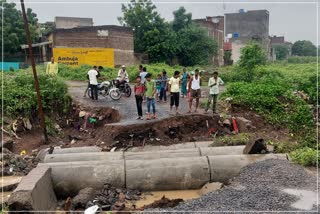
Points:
[251,56]
[304,48]
[13,27]
[195,46]
[281,51]
[142,17]
[181,19]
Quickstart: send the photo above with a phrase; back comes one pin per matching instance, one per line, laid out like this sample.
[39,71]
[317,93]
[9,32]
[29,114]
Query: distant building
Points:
[279,40]
[214,25]
[72,22]
[117,39]
[244,26]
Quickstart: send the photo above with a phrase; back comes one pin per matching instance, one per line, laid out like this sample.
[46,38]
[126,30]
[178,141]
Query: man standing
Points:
[52,68]
[174,84]
[194,87]
[123,75]
[184,82]
[93,75]
[213,84]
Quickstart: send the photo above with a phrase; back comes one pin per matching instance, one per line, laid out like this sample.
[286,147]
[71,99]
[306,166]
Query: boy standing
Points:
[163,90]
[174,84]
[150,92]
[213,84]
[139,91]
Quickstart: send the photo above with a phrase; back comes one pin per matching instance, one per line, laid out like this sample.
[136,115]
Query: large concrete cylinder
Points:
[91,156]
[224,167]
[58,150]
[167,174]
[221,150]
[193,152]
[149,148]
[69,178]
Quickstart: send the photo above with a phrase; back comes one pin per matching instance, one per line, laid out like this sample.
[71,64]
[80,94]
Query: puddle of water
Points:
[306,200]
[150,197]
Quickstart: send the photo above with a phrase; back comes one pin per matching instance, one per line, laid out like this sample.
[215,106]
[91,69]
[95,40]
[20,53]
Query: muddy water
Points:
[150,197]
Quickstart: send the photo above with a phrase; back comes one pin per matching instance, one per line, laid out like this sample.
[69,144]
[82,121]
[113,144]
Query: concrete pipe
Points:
[58,150]
[167,174]
[106,156]
[221,150]
[69,178]
[150,148]
[92,156]
[225,167]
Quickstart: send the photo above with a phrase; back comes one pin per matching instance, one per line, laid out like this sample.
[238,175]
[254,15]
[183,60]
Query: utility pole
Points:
[36,82]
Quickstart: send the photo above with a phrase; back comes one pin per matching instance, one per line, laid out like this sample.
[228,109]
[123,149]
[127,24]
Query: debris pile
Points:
[13,164]
[108,198]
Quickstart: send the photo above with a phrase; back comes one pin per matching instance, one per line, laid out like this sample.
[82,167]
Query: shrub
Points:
[305,156]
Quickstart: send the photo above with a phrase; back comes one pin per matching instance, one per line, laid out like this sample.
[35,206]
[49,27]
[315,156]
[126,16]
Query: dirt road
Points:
[126,106]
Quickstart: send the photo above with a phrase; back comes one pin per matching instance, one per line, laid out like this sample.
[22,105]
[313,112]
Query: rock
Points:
[210,187]
[255,147]
[227,123]
[27,124]
[8,144]
[243,124]
[84,195]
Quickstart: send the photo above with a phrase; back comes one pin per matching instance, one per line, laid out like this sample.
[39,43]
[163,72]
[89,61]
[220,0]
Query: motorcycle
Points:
[106,88]
[124,87]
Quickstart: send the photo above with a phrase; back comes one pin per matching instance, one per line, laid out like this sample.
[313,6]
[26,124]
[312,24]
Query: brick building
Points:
[214,25]
[107,36]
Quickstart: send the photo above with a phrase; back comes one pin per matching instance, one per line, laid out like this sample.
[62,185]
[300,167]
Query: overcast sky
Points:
[296,20]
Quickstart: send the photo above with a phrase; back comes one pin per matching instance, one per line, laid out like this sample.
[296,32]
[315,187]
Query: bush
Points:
[302,59]
[20,99]
[305,156]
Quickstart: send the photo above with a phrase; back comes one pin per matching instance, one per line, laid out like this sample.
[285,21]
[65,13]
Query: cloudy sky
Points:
[296,20]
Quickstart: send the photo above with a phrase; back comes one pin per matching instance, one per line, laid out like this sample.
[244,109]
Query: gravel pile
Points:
[258,188]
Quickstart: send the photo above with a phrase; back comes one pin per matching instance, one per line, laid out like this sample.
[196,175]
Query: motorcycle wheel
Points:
[89,92]
[115,94]
[127,91]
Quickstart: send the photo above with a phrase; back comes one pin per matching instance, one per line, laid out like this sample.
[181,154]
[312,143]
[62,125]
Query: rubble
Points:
[82,198]
[163,203]
[244,125]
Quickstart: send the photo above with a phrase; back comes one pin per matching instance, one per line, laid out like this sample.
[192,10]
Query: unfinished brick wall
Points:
[116,37]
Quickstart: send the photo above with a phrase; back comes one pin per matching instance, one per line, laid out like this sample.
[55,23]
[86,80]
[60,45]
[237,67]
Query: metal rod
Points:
[36,82]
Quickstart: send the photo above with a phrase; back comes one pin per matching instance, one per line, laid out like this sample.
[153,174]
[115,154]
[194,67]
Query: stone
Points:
[255,147]
[227,123]
[9,183]
[27,124]
[244,125]
[210,187]
[41,155]
[84,195]
[8,144]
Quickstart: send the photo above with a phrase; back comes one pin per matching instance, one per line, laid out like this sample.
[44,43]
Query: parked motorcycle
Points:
[106,88]
[124,88]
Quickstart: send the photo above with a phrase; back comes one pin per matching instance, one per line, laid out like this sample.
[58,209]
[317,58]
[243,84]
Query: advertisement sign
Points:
[84,56]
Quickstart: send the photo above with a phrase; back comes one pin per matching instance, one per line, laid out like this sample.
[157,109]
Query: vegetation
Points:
[281,51]
[252,55]
[270,91]
[305,156]
[19,96]
[304,48]
[13,27]
[302,59]
[163,41]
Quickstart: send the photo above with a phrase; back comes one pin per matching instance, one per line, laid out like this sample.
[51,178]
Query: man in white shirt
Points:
[195,89]
[123,75]
[143,75]
[93,75]
[213,84]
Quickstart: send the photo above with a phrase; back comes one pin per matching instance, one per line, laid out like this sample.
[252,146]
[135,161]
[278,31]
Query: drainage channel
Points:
[65,174]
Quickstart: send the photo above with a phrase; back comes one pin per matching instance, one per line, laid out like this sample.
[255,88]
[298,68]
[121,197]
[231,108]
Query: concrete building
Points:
[118,38]
[72,22]
[279,40]
[214,25]
[244,26]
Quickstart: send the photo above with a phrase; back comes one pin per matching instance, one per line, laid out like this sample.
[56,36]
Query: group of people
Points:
[151,90]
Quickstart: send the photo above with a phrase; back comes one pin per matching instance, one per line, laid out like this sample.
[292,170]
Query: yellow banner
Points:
[84,56]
